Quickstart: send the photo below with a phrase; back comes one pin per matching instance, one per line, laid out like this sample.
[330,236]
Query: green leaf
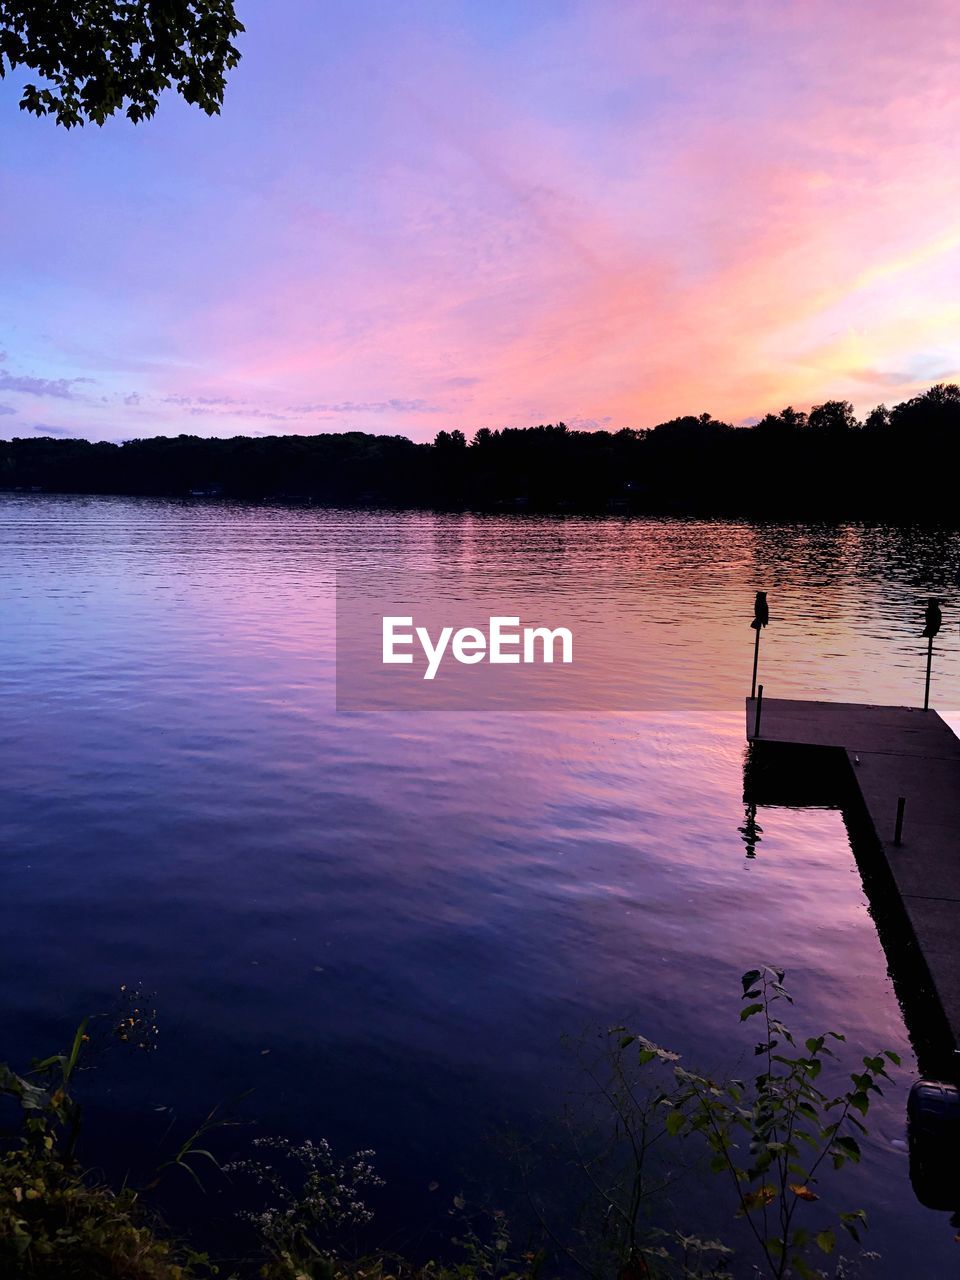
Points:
[674,1122]
[75,1048]
[30,1096]
[826,1240]
[850,1220]
[749,1011]
[850,1146]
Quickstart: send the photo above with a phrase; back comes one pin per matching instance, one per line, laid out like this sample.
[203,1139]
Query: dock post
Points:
[756,723]
[898,830]
[761,616]
[756,659]
[933,620]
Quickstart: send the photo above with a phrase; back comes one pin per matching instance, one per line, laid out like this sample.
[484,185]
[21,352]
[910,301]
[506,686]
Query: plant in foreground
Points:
[55,1220]
[771,1137]
[310,1195]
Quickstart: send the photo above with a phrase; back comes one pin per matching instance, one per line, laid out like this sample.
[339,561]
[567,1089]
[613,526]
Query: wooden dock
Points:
[889,752]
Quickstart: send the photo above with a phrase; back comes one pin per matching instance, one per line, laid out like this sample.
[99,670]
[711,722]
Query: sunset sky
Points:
[432,215]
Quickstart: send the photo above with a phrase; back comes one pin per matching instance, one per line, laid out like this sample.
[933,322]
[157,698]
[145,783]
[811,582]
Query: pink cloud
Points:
[625,213]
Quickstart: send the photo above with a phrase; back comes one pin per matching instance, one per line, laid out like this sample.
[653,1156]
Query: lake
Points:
[386,923]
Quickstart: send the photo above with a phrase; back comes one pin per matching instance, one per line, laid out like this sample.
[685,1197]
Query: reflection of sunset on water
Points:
[407,906]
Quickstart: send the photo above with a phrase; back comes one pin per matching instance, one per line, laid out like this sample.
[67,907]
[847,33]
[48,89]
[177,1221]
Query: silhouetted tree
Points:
[936,412]
[104,56]
[834,416]
[877,419]
[787,420]
[450,440]
[902,462]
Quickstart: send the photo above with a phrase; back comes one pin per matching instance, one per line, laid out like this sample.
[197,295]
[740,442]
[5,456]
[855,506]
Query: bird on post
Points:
[761,611]
[933,618]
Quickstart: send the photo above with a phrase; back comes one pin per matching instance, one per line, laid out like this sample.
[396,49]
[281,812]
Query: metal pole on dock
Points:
[756,723]
[934,620]
[898,830]
[756,659]
[761,616]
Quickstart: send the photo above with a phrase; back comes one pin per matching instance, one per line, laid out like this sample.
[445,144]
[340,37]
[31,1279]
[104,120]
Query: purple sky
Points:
[420,216]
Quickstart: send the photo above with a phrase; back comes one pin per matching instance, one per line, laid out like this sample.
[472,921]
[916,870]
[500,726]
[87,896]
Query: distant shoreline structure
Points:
[899,463]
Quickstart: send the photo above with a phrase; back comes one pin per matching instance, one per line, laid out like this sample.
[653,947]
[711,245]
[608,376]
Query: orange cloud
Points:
[614,213]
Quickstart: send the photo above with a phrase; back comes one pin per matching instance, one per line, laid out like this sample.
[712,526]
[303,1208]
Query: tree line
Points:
[900,461]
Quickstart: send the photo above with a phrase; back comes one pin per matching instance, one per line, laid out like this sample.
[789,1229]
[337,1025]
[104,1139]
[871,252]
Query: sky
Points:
[436,215]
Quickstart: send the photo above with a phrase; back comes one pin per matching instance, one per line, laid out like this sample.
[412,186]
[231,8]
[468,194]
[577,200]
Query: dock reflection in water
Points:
[798,760]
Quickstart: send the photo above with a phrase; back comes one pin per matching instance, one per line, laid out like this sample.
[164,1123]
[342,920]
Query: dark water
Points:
[384,924]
